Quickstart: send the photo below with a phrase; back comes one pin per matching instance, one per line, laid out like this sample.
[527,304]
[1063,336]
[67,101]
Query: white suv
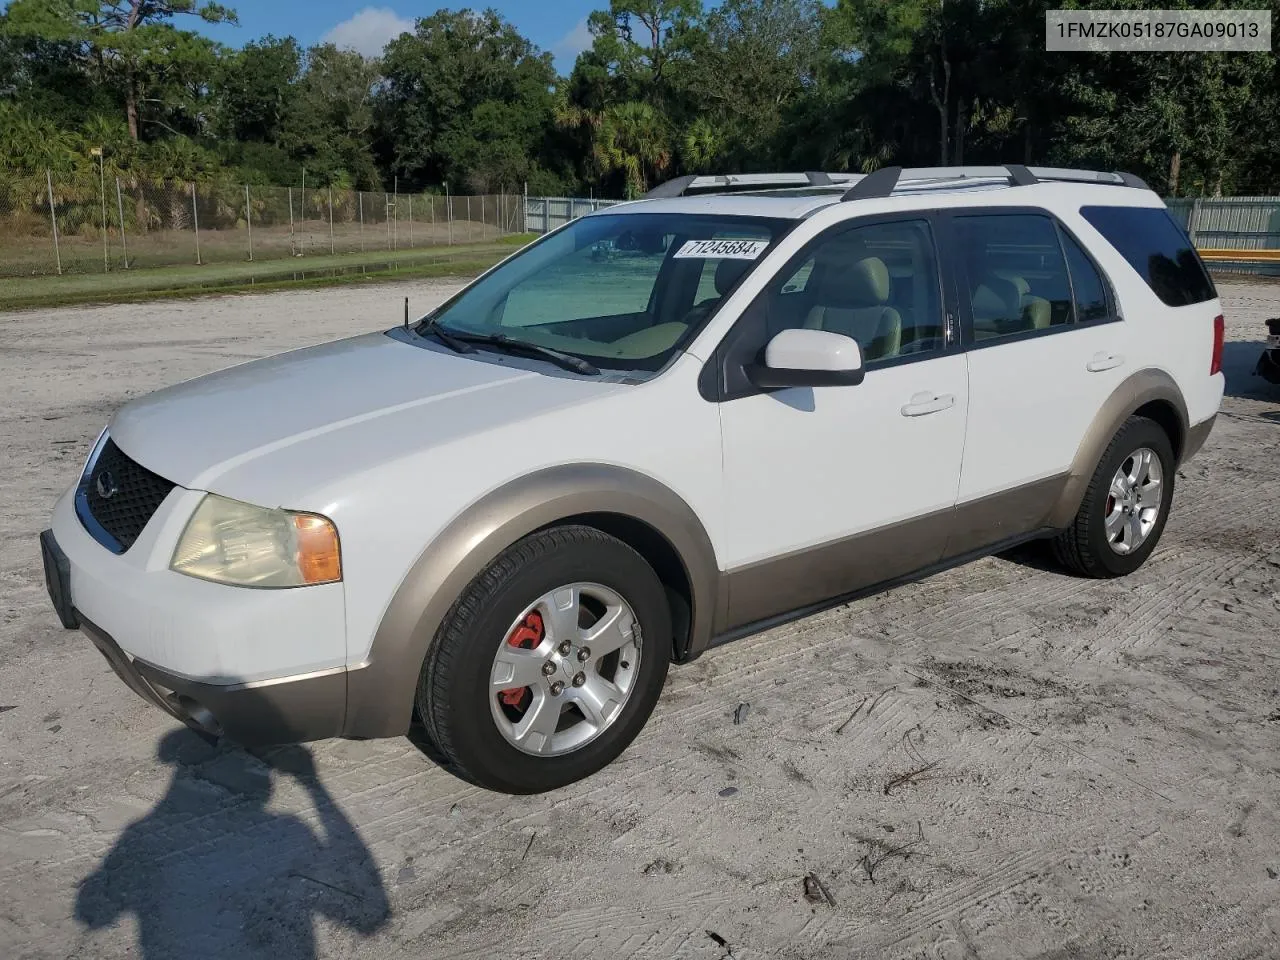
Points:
[656,429]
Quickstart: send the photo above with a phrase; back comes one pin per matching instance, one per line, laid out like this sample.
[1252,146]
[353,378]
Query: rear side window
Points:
[1017,277]
[1158,249]
[1086,283]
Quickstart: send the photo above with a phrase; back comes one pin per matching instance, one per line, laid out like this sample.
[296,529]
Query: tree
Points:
[466,99]
[255,87]
[633,141]
[757,60]
[329,121]
[130,44]
[640,40]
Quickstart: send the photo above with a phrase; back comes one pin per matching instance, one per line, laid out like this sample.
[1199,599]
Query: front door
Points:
[832,489]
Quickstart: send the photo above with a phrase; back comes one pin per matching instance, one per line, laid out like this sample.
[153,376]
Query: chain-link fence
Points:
[59,223]
[53,225]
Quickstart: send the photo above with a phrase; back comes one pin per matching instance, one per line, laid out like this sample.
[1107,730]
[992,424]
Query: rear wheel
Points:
[549,664]
[1125,506]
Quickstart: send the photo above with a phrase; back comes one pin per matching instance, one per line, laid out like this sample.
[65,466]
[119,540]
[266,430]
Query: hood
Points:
[369,396]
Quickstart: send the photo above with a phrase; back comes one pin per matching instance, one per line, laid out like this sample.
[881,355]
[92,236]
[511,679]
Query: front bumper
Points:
[212,632]
[283,710]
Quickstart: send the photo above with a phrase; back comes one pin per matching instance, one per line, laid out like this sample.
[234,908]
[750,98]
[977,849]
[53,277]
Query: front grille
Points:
[119,496]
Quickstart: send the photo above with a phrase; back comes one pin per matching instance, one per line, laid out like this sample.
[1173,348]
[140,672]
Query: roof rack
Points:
[726,183]
[885,181]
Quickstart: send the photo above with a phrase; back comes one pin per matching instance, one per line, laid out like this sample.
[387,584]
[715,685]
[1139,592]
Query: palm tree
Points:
[703,145]
[633,139]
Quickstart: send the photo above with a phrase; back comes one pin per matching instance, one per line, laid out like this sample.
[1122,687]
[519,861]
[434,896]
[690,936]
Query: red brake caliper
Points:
[527,634]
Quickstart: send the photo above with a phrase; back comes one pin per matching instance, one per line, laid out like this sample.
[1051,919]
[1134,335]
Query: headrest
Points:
[857,283]
[1023,287]
[996,297]
[729,272]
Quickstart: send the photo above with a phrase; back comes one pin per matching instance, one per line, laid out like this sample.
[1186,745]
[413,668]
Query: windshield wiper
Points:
[454,343]
[501,340]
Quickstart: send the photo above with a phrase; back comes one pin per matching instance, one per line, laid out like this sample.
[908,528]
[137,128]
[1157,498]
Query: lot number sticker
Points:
[722,249]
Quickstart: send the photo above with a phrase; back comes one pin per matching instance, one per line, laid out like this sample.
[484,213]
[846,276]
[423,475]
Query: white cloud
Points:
[574,42]
[369,30]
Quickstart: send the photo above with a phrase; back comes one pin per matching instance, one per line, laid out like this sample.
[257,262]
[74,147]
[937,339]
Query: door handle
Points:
[925,403]
[1104,361]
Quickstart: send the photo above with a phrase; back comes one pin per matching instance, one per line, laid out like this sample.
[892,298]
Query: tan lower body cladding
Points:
[800,579]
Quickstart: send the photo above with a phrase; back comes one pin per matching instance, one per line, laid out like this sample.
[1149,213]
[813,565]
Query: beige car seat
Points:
[1003,305]
[853,299]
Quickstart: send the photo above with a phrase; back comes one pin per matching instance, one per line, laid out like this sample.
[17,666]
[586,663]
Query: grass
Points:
[257,276]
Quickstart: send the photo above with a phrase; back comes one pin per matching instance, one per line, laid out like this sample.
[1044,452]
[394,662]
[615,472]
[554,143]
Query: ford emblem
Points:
[107,486]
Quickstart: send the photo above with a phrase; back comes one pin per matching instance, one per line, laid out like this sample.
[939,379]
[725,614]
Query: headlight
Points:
[232,542]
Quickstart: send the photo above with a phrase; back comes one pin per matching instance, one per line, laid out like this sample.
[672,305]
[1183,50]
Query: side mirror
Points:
[808,358]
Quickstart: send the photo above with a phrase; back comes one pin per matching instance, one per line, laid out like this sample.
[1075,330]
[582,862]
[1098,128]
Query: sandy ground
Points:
[1103,759]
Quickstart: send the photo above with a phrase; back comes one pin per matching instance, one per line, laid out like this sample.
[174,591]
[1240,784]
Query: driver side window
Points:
[877,284]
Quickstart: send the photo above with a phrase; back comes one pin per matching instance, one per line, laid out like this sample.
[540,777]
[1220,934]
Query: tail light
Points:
[1219,334]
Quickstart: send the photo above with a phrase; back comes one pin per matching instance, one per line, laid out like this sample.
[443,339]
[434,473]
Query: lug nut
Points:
[565,647]
[557,687]
[548,668]
[584,654]
[579,678]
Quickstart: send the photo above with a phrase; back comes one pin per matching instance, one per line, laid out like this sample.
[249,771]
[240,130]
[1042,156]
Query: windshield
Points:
[621,290]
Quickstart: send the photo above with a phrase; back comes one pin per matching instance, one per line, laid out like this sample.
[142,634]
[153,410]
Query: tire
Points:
[1086,547]
[465,715]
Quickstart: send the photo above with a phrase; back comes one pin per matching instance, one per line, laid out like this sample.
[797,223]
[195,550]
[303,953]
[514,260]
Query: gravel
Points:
[1079,768]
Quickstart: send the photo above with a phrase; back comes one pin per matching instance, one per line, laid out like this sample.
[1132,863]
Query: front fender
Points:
[380,693]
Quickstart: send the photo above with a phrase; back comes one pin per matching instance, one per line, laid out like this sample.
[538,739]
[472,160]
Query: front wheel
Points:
[549,664]
[1125,506]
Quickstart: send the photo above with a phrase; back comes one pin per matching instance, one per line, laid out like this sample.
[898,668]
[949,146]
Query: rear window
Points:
[1158,249]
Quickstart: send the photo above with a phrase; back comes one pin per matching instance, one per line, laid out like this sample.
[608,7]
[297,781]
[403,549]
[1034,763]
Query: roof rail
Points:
[883,182]
[724,183]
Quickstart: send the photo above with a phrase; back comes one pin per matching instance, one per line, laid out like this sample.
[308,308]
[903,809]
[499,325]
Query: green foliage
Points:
[667,87]
[466,100]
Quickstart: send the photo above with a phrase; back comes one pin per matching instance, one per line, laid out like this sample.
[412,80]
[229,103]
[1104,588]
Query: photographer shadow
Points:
[211,872]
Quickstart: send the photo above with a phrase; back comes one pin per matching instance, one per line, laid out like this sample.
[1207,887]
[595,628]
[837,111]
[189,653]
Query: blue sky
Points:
[555,25]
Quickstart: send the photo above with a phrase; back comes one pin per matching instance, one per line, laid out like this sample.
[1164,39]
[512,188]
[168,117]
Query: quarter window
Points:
[1158,249]
[1016,275]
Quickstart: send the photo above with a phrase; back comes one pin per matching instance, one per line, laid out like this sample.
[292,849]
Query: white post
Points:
[448,209]
[195,220]
[124,246]
[292,247]
[524,210]
[331,220]
[102,192]
[248,219]
[360,197]
[53,219]
[302,244]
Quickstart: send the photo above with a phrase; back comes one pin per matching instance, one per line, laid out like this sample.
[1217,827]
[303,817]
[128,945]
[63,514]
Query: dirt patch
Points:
[1105,762]
[979,678]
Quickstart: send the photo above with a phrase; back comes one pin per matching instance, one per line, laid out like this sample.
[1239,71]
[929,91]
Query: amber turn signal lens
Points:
[319,559]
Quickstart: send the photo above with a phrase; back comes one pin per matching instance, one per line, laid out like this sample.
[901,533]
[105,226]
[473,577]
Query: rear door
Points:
[1045,347]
